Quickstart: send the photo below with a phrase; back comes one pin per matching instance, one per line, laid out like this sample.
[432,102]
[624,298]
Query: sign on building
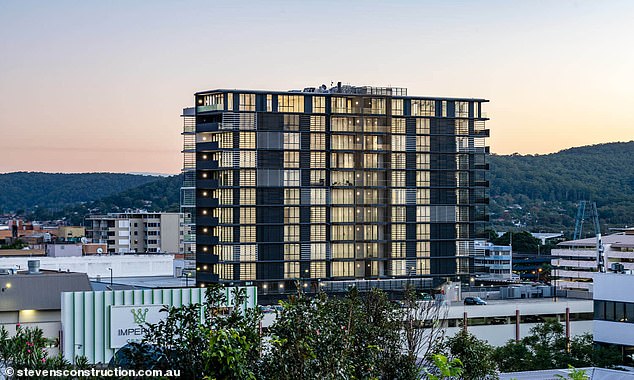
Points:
[127,322]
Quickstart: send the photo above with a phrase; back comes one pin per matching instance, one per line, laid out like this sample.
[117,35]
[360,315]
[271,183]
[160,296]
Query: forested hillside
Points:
[26,190]
[542,191]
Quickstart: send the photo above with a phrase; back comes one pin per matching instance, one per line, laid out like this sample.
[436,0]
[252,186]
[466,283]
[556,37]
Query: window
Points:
[342,196]
[215,100]
[247,140]
[342,232]
[398,177]
[398,125]
[247,196]
[462,109]
[343,124]
[269,103]
[342,160]
[398,143]
[291,215]
[398,231]
[291,159]
[422,126]
[342,214]
[422,178]
[422,232]
[248,159]
[318,233]
[422,161]
[342,269]
[291,140]
[317,159]
[444,108]
[291,233]
[247,214]
[291,177]
[398,249]
[318,269]
[247,235]
[247,102]
[422,213]
[229,101]
[423,107]
[291,252]
[342,250]
[291,196]
[398,214]
[291,270]
[398,196]
[318,177]
[422,196]
[319,104]
[224,196]
[397,106]
[341,105]
[317,123]
[225,215]
[318,215]
[247,177]
[317,141]
[318,196]
[290,103]
[422,143]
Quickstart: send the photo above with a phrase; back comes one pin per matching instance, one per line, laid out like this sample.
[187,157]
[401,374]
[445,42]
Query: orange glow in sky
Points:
[99,86]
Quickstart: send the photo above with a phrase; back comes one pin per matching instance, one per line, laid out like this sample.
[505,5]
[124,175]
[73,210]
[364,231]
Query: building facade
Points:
[142,232]
[576,262]
[347,183]
[493,261]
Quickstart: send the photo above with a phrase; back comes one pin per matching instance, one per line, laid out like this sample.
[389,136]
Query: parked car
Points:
[474,301]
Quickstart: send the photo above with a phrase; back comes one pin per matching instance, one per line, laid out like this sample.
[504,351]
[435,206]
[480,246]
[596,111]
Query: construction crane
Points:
[594,214]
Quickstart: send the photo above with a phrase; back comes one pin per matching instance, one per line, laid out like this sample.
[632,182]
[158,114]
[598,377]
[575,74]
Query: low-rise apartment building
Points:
[575,262]
[139,232]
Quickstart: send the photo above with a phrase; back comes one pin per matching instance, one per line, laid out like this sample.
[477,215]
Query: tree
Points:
[208,340]
[547,348]
[356,336]
[422,325]
[475,355]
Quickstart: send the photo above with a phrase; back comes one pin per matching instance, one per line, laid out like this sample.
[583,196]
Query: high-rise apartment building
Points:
[347,183]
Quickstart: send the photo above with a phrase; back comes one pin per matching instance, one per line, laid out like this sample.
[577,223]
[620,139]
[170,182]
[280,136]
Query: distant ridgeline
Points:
[542,191]
[533,192]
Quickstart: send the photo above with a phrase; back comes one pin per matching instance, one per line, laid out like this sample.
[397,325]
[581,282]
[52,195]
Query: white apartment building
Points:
[614,311]
[139,232]
[575,262]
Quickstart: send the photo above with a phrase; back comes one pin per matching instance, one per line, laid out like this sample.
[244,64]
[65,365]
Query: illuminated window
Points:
[317,123]
[290,103]
[230,101]
[291,233]
[422,161]
[342,214]
[422,213]
[422,196]
[398,232]
[247,234]
[291,215]
[422,126]
[422,232]
[291,270]
[247,271]
[422,143]
[342,250]
[247,102]
[342,268]
[423,107]
[247,196]
[318,269]
[291,177]
[247,140]
[291,159]
[398,176]
[343,124]
[342,232]
[291,140]
[398,143]
[318,177]
[318,196]
[318,215]
[318,233]
[291,252]
[397,106]
[422,178]
[398,125]
[398,249]
[291,196]
[398,214]
[248,158]
[247,177]
[317,141]
[319,104]
[269,103]
[341,105]
[247,215]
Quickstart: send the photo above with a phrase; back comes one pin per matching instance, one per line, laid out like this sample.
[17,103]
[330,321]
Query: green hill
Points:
[27,190]
[542,191]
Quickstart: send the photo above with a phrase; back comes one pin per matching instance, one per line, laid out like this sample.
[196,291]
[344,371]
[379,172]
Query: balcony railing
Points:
[210,108]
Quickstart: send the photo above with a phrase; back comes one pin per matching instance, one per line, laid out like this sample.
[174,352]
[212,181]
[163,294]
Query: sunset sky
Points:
[99,85]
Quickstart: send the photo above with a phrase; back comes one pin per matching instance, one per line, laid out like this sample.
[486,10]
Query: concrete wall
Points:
[170,233]
[122,265]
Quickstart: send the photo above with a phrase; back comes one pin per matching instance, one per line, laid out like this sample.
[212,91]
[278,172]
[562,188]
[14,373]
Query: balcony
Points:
[207,183]
[206,202]
[482,133]
[205,258]
[207,240]
[206,277]
[207,221]
[208,127]
[207,165]
[204,146]
[210,108]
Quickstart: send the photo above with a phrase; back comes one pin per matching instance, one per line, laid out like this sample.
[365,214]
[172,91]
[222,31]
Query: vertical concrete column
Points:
[517,325]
